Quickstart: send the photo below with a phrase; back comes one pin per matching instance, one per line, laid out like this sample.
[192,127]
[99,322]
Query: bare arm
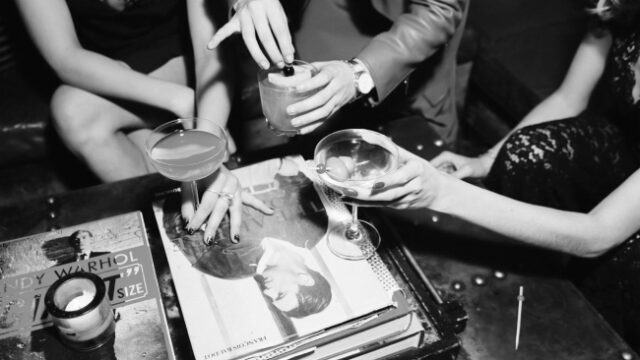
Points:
[213,73]
[50,24]
[588,235]
[568,100]
[572,97]
[418,185]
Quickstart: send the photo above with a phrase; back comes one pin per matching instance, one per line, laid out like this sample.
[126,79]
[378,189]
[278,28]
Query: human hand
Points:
[335,79]
[462,166]
[415,184]
[265,18]
[223,194]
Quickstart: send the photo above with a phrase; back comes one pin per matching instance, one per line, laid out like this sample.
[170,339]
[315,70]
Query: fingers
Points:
[225,200]
[308,129]
[397,179]
[230,28]
[249,37]
[463,172]
[280,27]
[261,23]
[187,208]
[443,157]
[316,82]
[235,217]
[255,203]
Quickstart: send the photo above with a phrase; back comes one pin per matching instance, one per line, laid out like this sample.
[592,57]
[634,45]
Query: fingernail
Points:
[280,64]
[264,64]
[378,185]
[288,58]
[208,240]
[271,210]
[291,110]
[350,192]
[190,230]
[235,239]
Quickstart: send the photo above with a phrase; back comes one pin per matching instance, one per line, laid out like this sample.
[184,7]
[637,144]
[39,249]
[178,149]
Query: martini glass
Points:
[278,90]
[353,160]
[187,150]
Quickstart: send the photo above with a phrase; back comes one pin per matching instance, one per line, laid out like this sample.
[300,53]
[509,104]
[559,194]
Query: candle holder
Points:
[81,311]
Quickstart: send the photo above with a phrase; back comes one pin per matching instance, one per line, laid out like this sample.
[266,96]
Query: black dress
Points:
[145,34]
[574,163]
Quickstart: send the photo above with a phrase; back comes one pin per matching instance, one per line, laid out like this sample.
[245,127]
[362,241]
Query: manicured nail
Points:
[264,64]
[190,230]
[280,64]
[208,240]
[288,58]
[235,239]
[350,192]
[378,185]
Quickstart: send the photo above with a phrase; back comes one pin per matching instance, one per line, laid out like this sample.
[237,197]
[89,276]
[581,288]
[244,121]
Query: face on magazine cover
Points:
[81,241]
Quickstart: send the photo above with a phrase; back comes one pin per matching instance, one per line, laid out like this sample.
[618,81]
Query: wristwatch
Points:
[362,78]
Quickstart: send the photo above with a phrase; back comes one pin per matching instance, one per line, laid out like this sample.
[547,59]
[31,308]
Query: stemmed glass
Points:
[187,150]
[278,90]
[353,160]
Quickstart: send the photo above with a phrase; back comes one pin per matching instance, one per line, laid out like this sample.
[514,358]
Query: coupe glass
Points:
[277,91]
[187,150]
[353,160]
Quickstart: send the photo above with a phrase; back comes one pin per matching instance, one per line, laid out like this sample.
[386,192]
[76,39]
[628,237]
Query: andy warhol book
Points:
[116,249]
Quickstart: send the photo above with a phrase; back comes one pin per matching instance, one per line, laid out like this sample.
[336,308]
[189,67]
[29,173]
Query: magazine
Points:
[116,249]
[280,282]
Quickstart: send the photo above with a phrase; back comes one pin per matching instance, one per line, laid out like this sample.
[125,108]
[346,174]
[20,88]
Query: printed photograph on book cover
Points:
[279,282]
[117,250]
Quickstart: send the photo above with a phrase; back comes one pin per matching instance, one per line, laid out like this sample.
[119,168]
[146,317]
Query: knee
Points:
[73,117]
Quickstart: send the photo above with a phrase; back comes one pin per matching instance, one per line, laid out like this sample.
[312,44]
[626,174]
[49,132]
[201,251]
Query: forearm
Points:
[104,76]
[585,235]
[554,107]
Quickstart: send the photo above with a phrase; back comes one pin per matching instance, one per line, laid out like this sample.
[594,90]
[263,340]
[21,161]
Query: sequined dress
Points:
[574,163]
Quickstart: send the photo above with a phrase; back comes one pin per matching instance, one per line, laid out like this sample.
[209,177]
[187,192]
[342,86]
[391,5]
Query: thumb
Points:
[442,158]
[230,28]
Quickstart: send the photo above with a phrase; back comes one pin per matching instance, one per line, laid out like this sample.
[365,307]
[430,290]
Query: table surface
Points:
[464,262]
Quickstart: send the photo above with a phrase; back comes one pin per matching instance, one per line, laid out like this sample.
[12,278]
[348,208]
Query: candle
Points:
[81,311]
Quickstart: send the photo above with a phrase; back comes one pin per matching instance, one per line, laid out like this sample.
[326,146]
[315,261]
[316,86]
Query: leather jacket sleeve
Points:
[416,34]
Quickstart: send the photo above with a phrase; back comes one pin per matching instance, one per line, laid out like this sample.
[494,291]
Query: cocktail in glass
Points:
[353,160]
[187,150]
[278,90]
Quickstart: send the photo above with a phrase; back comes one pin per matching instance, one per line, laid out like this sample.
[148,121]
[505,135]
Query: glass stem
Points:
[193,185]
[353,230]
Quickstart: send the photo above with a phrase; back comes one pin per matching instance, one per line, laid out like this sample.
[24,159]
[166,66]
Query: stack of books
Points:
[280,293]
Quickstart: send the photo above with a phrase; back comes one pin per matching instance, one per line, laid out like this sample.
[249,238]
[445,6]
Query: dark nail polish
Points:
[350,192]
[208,241]
[378,185]
[190,231]
[288,70]
[235,239]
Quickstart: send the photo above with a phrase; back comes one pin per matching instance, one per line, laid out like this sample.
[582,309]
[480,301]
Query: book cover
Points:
[114,248]
[281,282]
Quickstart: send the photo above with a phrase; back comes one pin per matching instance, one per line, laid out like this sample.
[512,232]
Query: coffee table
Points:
[464,262]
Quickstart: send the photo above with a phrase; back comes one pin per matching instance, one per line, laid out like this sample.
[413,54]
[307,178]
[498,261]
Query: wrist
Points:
[362,79]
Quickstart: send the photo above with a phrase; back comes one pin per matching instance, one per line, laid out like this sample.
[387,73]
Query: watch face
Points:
[365,83]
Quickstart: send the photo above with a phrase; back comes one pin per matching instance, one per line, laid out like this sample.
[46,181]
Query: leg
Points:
[96,128]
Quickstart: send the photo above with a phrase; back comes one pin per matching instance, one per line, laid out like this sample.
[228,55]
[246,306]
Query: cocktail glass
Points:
[277,91]
[187,150]
[353,160]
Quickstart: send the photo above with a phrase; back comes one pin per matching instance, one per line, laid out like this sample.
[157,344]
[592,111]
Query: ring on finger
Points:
[228,197]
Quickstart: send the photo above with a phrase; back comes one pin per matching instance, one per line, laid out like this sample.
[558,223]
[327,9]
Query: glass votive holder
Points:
[81,311]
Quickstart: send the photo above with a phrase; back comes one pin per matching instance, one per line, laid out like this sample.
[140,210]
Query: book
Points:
[257,299]
[116,249]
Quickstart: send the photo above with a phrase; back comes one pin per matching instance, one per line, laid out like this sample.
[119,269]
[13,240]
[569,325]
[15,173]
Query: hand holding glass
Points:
[278,91]
[187,150]
[352,160]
